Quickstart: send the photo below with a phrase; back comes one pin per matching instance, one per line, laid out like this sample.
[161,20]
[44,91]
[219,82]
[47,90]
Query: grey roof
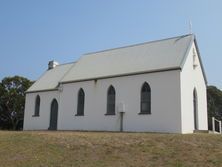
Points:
[51,78]
[161,55]
[146,57]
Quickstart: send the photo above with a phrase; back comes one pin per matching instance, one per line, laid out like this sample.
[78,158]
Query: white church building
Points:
[157,86]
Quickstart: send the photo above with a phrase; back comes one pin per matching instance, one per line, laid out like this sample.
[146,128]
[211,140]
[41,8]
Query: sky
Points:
[33,32]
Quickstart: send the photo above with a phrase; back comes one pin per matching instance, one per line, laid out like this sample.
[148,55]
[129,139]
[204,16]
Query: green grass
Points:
[98,149]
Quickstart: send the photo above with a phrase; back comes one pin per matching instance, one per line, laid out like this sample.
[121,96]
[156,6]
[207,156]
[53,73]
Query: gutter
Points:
[122,75]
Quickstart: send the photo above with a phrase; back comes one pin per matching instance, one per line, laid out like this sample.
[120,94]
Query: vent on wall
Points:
[195,62]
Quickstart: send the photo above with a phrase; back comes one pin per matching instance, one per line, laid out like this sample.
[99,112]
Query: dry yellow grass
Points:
[98,149]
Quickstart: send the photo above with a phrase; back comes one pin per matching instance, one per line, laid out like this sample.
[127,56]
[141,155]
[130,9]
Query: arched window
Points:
[111,98]
[81,100]
[37,105]
[145,99]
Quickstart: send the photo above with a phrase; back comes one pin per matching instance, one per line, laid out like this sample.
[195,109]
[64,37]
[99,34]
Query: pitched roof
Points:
[146,57]
[50,79]
[161,55]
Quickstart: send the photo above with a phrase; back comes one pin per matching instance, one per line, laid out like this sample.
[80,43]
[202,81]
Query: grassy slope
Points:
[108,149]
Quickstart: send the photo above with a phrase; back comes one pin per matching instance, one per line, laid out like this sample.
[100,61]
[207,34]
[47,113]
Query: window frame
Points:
[145,89]
[37,106]
[80,103]
[111,101]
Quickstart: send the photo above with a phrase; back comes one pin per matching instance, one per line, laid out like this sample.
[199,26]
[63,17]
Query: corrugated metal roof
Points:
[145,57]
[51,78]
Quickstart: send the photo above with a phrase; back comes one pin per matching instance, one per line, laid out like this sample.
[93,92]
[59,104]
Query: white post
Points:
[220,126]
[213,124]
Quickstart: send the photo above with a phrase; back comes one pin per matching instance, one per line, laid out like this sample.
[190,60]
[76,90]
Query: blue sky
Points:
[32,32]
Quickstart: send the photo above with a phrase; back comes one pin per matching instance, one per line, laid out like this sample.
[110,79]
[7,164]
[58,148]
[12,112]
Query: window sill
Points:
[35,116]
[110,114]
[144,113]
[78,115]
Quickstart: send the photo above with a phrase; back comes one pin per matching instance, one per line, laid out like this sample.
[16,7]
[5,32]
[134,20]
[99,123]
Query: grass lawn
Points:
[97,149]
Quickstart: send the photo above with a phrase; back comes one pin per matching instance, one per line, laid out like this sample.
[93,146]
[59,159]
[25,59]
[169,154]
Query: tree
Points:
[214,103]
[12,101]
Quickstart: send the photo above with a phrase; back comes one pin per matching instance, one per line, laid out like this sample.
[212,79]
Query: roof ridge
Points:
[66,63]
[138,44]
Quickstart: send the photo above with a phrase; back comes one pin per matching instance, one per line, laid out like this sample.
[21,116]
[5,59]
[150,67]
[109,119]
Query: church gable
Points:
[195,59]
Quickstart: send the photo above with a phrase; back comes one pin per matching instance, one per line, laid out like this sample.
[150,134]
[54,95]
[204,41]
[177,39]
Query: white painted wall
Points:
[190,79]
[165,105]
[42,122]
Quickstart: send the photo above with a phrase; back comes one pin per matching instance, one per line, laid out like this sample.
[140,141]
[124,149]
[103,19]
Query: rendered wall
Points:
[165,104]
[40,122]
[193,78]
